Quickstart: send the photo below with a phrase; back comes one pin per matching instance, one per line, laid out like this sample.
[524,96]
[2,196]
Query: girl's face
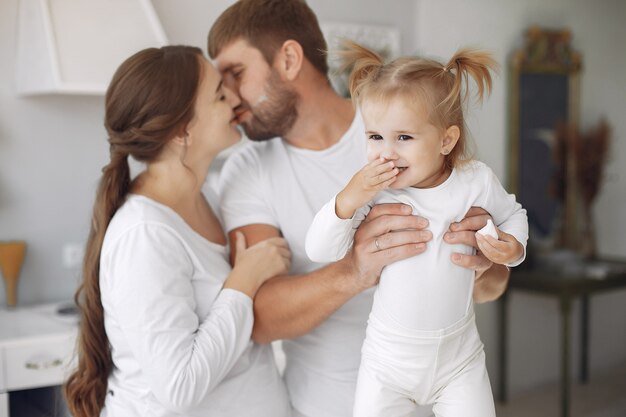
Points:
[213,127]
[398,133]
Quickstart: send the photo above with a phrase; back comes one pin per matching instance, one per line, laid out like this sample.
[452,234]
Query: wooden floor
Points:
[603,396]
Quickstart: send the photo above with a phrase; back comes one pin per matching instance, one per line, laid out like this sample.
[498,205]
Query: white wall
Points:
[188,21]
[52,148]
[50,151]
[599,34]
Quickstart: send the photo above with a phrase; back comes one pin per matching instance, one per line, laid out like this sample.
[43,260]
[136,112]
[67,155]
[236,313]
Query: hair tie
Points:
[445,69]
[118,152]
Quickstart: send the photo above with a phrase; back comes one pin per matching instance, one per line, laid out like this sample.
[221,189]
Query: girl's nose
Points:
[389,154]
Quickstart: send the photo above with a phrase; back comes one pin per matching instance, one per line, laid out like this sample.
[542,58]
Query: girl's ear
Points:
[450,138]
[289,59]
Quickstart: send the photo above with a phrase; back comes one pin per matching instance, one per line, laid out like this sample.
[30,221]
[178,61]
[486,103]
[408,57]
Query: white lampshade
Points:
[74,46]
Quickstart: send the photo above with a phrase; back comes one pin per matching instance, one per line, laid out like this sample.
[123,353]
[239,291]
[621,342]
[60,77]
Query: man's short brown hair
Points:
[266,25]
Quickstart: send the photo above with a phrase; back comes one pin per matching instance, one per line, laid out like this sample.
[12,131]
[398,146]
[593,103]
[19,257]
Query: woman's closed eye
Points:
[237,74]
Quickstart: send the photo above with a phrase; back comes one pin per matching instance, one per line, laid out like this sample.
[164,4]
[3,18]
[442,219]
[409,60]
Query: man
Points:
[270,52]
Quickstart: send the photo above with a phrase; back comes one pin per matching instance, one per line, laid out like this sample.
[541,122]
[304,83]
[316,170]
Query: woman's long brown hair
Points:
[149,101]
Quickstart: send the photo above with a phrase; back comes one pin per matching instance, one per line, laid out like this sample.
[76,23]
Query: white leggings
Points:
[401,368]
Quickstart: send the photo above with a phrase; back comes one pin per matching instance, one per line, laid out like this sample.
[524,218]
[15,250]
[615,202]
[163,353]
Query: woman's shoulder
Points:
[141,215]
[141,209]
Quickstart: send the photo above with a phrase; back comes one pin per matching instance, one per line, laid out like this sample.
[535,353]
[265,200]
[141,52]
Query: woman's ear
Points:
[289,59]
[183,139]
[450,138]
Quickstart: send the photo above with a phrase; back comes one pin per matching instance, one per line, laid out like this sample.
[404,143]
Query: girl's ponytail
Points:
[364,63]
[469,63]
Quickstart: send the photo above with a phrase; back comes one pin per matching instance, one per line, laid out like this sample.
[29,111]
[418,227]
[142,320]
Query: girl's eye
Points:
[375,137]
[237,74]
[404,137]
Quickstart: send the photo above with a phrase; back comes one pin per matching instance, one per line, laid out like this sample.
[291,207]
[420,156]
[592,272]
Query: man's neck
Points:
[323,118]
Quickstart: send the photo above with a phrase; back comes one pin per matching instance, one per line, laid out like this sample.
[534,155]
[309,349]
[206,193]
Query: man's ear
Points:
[289,59]
[450,138]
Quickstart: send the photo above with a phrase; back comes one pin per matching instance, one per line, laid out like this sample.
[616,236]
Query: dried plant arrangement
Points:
[563,135]
[580,160]
[563,178]
[592,153]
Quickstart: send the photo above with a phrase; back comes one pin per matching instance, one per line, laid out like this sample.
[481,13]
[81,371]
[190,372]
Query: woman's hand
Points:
[364,186]
[258,263]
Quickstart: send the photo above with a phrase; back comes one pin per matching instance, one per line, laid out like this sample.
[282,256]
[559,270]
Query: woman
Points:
[166,323]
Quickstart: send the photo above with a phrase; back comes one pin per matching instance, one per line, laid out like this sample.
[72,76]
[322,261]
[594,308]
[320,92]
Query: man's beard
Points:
[275,113]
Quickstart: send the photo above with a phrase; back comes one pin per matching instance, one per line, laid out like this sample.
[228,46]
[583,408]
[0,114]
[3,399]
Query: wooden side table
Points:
[565,282]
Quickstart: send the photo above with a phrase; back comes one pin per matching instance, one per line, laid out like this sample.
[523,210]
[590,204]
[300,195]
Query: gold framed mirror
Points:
[544,102]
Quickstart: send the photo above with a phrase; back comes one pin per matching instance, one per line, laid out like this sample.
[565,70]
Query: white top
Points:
[426,291]
[180,343]
[283,186]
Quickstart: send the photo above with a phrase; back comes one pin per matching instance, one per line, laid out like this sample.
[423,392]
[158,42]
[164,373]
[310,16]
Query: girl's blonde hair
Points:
[442,89]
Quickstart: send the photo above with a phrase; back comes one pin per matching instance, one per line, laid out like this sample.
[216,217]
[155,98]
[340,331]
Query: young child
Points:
[422,345]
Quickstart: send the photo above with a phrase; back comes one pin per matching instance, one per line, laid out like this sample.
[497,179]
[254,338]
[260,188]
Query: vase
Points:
[11,260]
[587,246]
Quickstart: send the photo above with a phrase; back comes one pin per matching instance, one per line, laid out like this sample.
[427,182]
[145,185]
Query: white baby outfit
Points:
[421,343]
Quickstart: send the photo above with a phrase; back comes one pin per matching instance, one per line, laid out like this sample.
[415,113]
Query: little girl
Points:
[421,345]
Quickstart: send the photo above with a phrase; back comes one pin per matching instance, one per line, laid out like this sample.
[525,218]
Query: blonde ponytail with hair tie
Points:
[363,62]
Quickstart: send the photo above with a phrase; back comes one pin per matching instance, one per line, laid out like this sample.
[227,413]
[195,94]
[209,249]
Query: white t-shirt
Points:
[274,183]
[427,291]
[180,342]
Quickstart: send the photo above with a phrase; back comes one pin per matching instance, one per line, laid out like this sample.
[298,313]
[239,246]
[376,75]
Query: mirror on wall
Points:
[544,105]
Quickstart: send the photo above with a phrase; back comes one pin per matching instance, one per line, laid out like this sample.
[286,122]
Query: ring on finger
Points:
[377,244]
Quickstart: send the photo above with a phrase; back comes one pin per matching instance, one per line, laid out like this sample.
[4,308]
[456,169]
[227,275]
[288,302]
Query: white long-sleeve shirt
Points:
[180,342]
[427,291]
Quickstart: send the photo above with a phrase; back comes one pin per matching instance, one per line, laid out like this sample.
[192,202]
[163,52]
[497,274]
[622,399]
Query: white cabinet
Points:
[36,350]
[37,365]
